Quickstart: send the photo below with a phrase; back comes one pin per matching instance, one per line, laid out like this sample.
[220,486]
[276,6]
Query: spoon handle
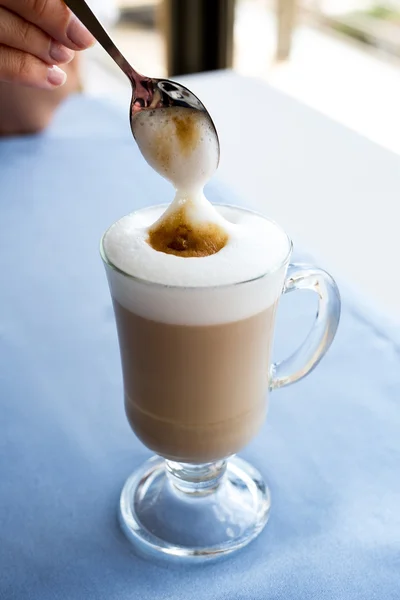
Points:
[86,16]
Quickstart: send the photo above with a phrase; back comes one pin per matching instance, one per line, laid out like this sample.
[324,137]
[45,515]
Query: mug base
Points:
[160,519]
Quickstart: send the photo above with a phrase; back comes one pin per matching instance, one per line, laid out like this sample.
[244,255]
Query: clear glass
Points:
[196,500]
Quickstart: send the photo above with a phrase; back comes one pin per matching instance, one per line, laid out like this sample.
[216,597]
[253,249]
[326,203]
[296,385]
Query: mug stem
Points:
[197,480]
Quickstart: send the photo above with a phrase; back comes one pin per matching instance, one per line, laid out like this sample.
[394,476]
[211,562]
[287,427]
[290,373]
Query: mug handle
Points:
[304,359]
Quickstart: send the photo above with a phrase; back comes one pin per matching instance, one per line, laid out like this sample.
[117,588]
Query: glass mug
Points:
[196,394]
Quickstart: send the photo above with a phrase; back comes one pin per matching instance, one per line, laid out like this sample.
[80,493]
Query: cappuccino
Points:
[194,312]
[195,341]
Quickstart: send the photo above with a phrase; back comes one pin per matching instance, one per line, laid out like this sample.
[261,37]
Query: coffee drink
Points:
[194,313]
[195,342]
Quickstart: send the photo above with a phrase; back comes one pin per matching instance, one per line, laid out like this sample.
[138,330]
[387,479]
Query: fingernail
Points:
[78,34]
[56,76]
[60,53]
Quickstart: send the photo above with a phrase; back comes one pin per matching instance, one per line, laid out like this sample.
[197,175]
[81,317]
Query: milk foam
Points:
[198,291]
[179,143]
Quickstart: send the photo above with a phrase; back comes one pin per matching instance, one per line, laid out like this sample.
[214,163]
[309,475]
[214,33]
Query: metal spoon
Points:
[147,92]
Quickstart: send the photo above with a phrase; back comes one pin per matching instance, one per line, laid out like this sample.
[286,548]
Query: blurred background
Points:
[341,57]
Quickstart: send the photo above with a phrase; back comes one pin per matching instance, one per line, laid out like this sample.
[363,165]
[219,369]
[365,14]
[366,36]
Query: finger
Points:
[55,19]
[21,35]
[23,68]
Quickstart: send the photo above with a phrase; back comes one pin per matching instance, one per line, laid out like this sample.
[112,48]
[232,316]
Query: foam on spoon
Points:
[180,144]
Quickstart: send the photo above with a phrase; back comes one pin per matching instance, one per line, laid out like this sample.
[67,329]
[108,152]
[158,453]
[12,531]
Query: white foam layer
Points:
[198,291]
[255,246]
[179,143]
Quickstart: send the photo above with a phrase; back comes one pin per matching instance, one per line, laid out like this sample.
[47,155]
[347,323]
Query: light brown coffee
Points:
[195,393]
[176,234]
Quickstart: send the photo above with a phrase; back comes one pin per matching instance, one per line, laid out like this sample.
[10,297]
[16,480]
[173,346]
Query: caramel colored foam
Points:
[163,151]
[176,235]
[187,130]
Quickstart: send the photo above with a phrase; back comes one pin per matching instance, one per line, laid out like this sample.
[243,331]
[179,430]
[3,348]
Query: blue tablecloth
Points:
[330,448]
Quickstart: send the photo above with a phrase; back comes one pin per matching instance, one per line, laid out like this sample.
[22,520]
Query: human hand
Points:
[35,37]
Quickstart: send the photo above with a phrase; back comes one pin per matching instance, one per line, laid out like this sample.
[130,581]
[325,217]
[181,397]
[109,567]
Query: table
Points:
[330,448]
